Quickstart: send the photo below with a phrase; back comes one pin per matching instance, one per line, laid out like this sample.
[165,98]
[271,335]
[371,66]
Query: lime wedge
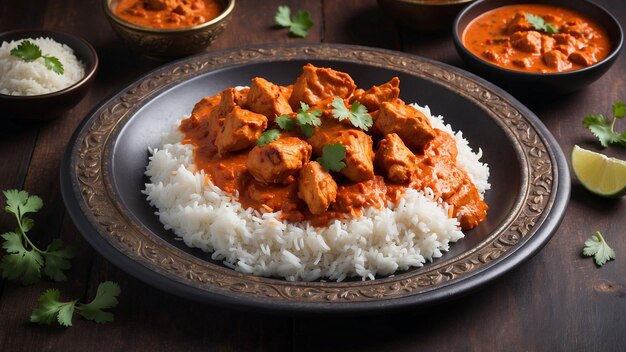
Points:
[600,174]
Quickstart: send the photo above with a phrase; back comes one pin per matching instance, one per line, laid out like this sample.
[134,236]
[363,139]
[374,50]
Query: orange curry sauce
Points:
[506,38]
[168,13]
[433,166]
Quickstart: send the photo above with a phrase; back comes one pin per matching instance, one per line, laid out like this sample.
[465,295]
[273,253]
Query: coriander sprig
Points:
[540,24]
[28,51]
[50,307]
[604,128]
[332,157]
[597,247]
[298,25]
[268,137]
[306,119]
[357,114]
[24,260]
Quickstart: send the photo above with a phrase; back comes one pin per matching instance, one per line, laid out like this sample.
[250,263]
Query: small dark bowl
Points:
[51,105]
[423,15]
[539,84]
[169,43]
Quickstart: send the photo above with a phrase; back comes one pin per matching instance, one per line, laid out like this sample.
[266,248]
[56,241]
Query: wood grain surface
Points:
[557,301]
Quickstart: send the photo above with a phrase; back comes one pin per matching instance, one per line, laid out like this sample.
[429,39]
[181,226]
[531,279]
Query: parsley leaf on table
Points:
[50,306]
[604,128]
[298,25]
[268,137]
[597,246]
[332,157]
[540,24]
[357,114]
[20,262]
[28,51]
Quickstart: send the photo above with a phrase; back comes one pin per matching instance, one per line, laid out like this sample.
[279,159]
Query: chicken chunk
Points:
[241,129]
[278,161]
[525,62]
[267,98]
[229,98]
[518,24]
[467,206]
[529,42]
[577,28]
[317,83]
[373,97]
[556,60]
[395,159]
[410,124]
[584,57]
[156,5]
[316,187]
[492,55]
[221,106]
[547,43]
[359,152]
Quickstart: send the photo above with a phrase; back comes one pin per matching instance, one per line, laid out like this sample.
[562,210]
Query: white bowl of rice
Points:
[30,90]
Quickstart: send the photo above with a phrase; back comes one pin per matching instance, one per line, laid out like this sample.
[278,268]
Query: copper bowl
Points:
[49,106]
[167,43]
[423,15]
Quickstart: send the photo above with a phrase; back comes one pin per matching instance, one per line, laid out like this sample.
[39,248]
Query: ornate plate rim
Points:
[91,202]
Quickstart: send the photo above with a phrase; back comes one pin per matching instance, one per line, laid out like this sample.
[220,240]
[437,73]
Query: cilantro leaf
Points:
[50,306]
[307,130]
[332,157]
[307,119]
[604,128]
[105,298]
[20,203]
[52,63]
[21,263]
[283,16]
[357,114]
[28,51]
[25,266]
[285,122]
[596,246]
[12,243]
[57,260]
[298,25]
[619,109]
[540,24]
[268,137]
[24,260]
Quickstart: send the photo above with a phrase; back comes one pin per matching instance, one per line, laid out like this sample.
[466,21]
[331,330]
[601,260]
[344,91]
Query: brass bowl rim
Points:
[228,9]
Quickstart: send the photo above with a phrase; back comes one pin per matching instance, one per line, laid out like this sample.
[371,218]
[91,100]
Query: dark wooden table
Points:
[557,301]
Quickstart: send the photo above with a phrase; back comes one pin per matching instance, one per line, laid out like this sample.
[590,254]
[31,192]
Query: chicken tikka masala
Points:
[268,145]
[537,38]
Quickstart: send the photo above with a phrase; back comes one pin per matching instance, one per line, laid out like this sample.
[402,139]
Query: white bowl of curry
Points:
[536,47]
[168,28]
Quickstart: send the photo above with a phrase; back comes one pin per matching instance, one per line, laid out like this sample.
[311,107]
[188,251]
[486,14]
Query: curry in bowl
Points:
[537,38]
[168,13]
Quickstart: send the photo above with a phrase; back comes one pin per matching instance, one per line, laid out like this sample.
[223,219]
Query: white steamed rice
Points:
[380,242]
[18,77]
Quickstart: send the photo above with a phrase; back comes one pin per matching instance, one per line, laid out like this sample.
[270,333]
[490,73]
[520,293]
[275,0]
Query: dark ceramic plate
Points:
[102,178]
